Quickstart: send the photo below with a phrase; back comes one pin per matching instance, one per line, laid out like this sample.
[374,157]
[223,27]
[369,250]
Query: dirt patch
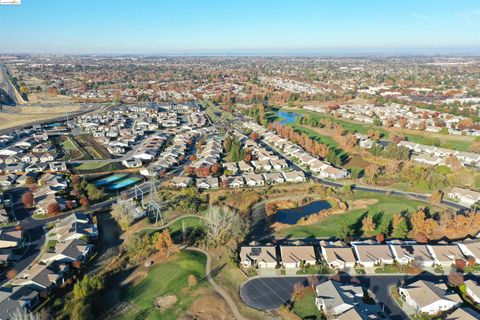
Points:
[209,306]
[163,303]
[362,203]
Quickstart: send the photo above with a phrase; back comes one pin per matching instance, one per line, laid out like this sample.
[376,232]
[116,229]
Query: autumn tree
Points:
[380,237]
[53,208]
[368,225]
[12,273]
[400,226]
[437,196]
[192,280]
[27,199]
[422,225]
[297,291]
[455,279]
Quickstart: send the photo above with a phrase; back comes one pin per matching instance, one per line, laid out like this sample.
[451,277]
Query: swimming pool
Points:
[109,179]
[124,183]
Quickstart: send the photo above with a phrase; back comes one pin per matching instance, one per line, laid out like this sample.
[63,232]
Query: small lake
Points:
[287,117]
[291,216]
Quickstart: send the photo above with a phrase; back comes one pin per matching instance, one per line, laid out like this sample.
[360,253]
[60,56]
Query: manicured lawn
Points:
[382,212]
[305,306]
[314,135]
[167,278]
[91,165]
[446,141]
[388,268]
[188,222]
[68,145]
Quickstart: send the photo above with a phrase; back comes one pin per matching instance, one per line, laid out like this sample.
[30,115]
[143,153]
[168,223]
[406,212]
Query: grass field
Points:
[91,165]
[168,278]
[382,212]
[68,145]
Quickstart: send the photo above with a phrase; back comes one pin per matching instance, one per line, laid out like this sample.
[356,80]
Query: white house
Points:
[428,297]
[297,256]
[260,256]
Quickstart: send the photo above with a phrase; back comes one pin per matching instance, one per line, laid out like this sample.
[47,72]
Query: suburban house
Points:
[207,183]
[58,166]
[42,276]
[463,313]
[446,254]
[273,177]
[473,290]
[428,297]
[297,256]
[75,226]
[132,163]
[470,248]
[14,298]
[294,176]
[10,238]
[335,298]
[411,252]
[245,167]
[260,256]
[338,255]
[370,255]
[254,180]
[68,251]
[233,181]
[464,196]
[230,167]
[181,182]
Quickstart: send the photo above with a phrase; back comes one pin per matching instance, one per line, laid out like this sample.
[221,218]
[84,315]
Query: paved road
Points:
[268,293]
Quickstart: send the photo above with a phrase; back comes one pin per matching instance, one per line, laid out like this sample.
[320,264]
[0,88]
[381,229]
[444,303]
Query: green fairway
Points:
[447,141]
[168,278]
[382,212]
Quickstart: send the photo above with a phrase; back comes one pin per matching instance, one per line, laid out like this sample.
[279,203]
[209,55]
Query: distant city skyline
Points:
[247,27]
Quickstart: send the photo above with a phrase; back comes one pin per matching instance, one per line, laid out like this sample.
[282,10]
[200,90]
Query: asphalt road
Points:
[268,293]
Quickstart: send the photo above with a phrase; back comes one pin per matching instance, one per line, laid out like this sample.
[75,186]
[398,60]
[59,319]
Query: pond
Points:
[292,216]
[287,117]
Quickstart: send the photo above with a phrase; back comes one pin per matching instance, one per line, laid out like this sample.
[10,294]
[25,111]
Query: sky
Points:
[240,26]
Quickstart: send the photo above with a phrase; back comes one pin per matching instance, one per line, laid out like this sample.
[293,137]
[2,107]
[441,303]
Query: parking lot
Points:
[268,293]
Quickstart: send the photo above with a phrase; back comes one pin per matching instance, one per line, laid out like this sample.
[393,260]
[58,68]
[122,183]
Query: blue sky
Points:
[239,26]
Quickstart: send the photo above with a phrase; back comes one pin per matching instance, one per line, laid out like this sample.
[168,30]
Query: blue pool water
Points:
[124,183]
[288,117]
[291,216]
[109,179]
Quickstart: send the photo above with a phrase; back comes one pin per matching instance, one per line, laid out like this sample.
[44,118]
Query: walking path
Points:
[216,287]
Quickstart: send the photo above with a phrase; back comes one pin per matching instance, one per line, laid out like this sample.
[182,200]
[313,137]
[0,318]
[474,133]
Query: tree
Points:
[380,237]
[27,199]
[122,213]
[453,162]
[437,197]
[223,225]
[53,208]
[84,202]
[297,290]
[93,192]
[460,264]
[343,231]
[12,273]
[192,281]
[215,169]
[77,264]
[368,225]
[400,226]
[455,279]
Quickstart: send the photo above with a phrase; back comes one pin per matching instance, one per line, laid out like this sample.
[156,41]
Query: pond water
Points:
[287,117]
[291,216]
